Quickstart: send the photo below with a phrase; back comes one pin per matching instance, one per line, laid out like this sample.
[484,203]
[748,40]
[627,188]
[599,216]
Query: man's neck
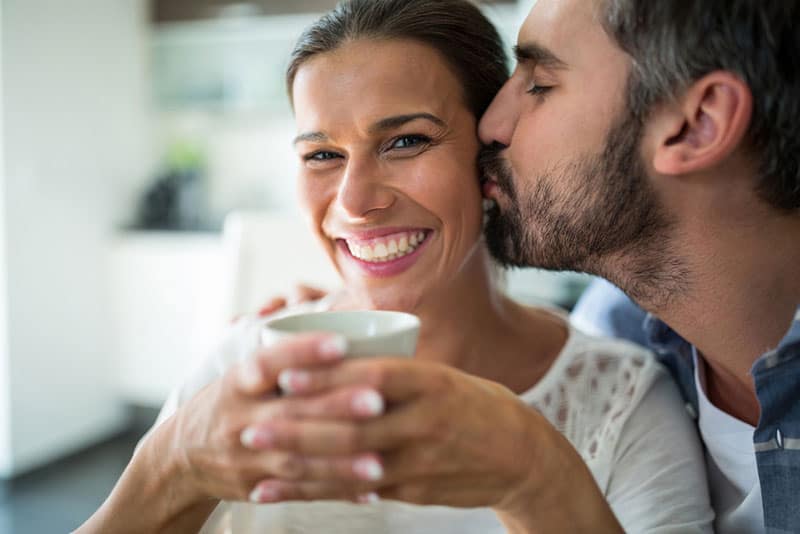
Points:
[744,292]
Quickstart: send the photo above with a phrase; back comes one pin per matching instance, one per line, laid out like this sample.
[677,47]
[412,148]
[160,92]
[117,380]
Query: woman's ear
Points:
[704,127]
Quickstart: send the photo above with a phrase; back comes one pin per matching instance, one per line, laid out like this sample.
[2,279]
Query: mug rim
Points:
[412,322]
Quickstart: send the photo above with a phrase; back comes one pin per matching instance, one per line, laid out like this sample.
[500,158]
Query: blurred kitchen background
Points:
[130,130]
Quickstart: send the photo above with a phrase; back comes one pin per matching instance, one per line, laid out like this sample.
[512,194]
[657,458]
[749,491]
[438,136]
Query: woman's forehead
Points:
[369,79]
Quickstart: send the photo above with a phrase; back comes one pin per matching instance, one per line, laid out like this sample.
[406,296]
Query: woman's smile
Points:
[386,252]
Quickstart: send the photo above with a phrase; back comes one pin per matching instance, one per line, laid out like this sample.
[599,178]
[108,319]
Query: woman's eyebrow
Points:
[313,137]
[391,123]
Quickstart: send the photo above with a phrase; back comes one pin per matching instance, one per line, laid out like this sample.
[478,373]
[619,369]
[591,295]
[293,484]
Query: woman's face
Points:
[388,172]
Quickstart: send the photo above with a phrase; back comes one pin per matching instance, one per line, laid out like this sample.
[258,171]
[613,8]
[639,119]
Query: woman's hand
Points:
[447,438]
[208,434]
[300,294]
[197,457]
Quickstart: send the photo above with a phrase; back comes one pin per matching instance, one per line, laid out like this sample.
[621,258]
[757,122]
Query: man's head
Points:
[626,120]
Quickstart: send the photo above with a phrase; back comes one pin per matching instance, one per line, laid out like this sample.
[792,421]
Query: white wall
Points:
[74,125]
[5,424]
[524,7]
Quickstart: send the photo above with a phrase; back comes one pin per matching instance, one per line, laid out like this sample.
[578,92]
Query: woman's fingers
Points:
[271,306]
[396,378]
[350,403]
[332,437]
[272,490]
[302,293]
[259,374]
[348,469]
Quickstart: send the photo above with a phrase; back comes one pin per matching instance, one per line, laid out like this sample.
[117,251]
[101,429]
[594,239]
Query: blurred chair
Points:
[267,254]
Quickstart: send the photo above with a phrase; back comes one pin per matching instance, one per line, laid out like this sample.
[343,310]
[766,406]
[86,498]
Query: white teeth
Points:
[387,251]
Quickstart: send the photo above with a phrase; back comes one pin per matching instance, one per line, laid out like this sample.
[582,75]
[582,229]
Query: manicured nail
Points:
[369,498]
[368,403]
[256,438]
[250,374]
[333,348]
[368,469]
[264,493]
[293,380]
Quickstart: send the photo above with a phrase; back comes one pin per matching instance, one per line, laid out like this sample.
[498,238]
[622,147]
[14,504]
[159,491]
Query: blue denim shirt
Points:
[776,440]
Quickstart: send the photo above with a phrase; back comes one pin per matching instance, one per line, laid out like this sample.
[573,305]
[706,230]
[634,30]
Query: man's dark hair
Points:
[457,29]
[675,42]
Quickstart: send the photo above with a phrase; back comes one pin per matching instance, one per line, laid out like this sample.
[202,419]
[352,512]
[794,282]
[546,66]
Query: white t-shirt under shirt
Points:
[614,403]
[731,460]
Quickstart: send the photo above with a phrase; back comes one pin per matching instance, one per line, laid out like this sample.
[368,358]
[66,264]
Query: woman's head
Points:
[455,28]
[387,94]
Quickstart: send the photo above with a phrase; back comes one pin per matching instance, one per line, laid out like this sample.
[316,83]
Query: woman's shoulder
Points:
[592,389]
[598,365]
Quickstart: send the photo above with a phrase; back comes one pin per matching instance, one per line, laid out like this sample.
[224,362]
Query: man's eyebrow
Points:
[314,137]
[538,55]
[390,123]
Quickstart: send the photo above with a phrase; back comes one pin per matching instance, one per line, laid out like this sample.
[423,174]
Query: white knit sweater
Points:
[611,399]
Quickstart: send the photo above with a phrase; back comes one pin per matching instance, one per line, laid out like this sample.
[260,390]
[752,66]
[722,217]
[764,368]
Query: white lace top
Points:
[614,403]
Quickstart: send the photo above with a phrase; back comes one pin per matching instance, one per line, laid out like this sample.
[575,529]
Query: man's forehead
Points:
[565,27]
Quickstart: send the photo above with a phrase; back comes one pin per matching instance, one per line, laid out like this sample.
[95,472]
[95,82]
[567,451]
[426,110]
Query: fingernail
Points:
[369,498]
[368,469]
[264,493]
[250,374]
[333,347]
[256,438]
[368,403]
[293,380]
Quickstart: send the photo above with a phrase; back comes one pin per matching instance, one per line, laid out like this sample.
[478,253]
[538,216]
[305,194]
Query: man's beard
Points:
[611,224]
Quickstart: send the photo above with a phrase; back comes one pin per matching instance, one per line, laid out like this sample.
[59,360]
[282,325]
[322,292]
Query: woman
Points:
[387,94]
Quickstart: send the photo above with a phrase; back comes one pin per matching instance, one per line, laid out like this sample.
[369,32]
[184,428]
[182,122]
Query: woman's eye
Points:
[322,155]
[410,141]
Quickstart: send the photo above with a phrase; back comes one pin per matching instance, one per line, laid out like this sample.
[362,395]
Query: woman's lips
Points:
[387,255]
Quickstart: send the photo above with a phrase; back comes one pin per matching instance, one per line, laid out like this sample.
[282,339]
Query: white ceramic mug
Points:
[368,332]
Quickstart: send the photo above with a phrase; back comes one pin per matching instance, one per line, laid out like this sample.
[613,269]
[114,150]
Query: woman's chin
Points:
[392,299]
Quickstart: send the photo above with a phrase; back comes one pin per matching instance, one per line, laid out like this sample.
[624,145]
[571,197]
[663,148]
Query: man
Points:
[667,163]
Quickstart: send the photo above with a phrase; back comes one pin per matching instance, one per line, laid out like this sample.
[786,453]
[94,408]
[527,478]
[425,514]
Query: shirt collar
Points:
[785,349]
[662,338]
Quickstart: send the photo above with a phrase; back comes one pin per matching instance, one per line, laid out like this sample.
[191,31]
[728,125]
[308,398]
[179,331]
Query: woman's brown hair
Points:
[455,28]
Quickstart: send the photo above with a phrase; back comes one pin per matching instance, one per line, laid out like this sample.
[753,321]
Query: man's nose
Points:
[498,123]
[363,189]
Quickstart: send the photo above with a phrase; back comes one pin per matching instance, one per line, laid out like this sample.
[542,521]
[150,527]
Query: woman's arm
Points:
[196,458]
[153,494]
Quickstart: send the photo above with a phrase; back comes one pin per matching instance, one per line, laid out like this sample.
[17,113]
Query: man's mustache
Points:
[492,166]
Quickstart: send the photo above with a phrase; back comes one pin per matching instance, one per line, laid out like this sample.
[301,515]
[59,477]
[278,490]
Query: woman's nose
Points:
[363,189]
[500,120]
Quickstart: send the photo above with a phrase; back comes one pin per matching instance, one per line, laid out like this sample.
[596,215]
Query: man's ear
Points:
[705,126]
